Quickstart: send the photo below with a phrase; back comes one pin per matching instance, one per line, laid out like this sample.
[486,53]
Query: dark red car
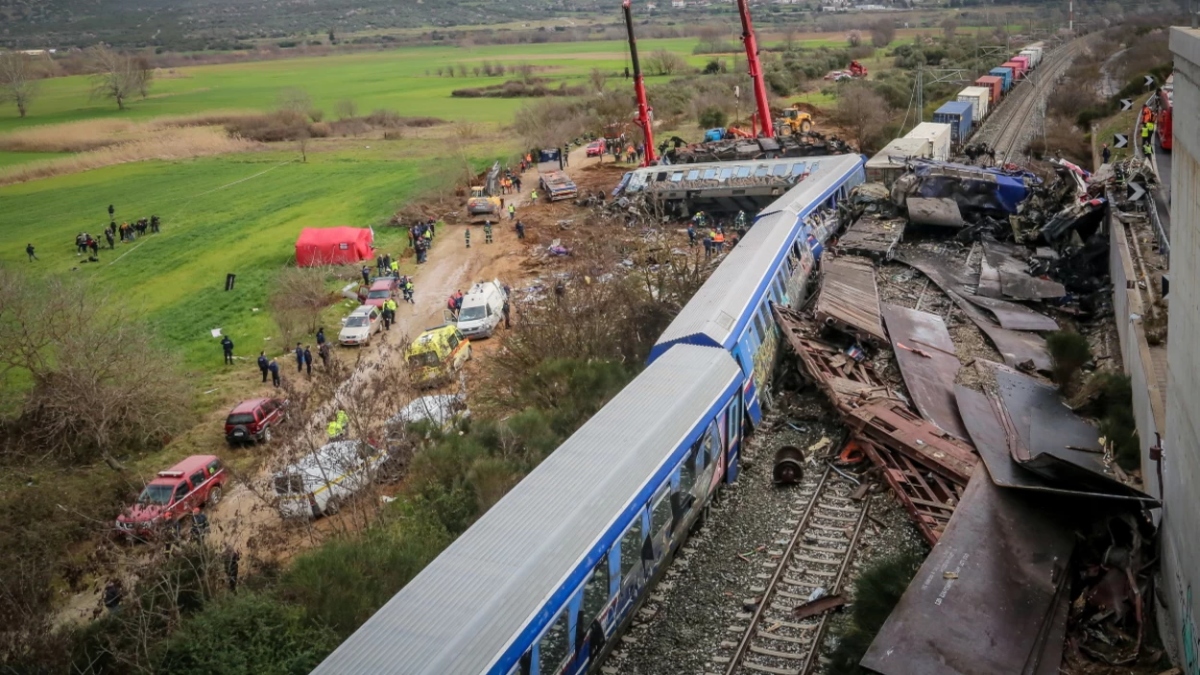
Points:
[251,421]
[596,148]
[171,496]
[381,290]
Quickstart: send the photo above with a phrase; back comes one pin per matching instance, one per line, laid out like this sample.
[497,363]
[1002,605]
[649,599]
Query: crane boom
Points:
[756,74]
[639,87]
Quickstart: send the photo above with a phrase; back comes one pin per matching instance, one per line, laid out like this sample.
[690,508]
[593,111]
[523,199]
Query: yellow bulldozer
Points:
[796,121]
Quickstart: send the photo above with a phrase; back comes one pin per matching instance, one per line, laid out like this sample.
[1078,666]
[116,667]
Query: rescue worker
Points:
[1105,154]
[1147,148]
[450,306]
[263,364]
[366,274]
[395,268]
[232,557]
[718,241]
[227,347]
[29,252]
[273,366]
[379,265]
[467,234]
[337,428]
[199,524]
[154,224]
[389,313]
[533,195]
[520,230]
[506,311]
[512,212]
[112,590]
[110,211]
[112,241]
[308,360]
[517,184]
[408,291]
[487,233]
[691,232]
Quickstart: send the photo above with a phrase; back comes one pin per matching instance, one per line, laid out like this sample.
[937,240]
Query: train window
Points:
[816,166]
[706,449]
[765,318]
[631,546]
[780,169]
[798,169]
[677,176]
[743,171]
[693,174]
[714,439]
[660,517]
[726,173]
[710,174]
[595,593]
[554,647]
[731,423]
[762,171]
[758,323]
[687,471]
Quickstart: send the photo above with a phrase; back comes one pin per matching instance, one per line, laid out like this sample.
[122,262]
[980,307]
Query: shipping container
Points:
[1035,56]
[994,85]
[980,99]
[1005,74]
[958,115]
[1021,64]
[888,163]
[937,135]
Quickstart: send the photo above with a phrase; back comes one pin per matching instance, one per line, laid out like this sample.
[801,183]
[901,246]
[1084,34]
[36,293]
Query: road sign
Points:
[1126,104]
[1136,192]
[1149,80]
[1120,141]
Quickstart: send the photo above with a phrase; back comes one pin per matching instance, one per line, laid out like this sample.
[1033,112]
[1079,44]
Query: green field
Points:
[236,214]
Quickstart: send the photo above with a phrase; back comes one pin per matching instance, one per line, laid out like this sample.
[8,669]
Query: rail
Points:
[812,565]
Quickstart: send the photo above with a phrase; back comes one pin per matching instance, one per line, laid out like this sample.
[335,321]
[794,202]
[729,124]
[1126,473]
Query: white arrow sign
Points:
[1126,104]
[1136,192]
[1149,80]
[1120,141]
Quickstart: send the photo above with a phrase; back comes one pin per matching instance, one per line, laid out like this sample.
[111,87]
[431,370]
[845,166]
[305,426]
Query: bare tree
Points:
[883,32]
[789,38]
[854,38]
[863,111]
[117,76]
[347,108]
[597,78]
[18,82]
[99,381]
[949,27]
[297,299]
[144,73]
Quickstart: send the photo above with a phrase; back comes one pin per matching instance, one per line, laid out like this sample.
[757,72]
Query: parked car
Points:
[482,309]
[596,148]
[441,410]
[362,323]
[382,289]
[320,482]
[171,496]
[437,354]
[251,421]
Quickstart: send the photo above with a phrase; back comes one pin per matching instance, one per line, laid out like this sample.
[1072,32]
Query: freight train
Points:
[545,582]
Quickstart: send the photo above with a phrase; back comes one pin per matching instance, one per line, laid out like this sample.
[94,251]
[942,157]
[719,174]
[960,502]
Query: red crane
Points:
[756,74]
[639,87]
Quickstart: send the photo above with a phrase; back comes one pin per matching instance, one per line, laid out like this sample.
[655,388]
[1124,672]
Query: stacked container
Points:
[1034,55]
[1020,66]
[995,86]
[980,99]
[958,115]
[888,163]
[1005,74]
[937,135]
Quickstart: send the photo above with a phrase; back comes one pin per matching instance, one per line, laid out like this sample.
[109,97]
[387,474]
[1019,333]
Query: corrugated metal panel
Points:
[461,612]
[713,314]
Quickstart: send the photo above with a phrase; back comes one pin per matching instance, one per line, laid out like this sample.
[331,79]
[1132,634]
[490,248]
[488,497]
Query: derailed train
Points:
[549,577]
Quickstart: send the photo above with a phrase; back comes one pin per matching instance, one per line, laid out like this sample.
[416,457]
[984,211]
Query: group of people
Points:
[270,366]
[712,235]
[1147,121]
[420,238]
[510,183]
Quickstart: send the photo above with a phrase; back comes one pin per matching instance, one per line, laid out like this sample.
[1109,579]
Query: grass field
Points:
[235,214]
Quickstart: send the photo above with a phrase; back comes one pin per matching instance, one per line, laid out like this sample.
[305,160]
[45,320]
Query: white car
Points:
[319,483]
[362,323]
[441,409]
[482,309]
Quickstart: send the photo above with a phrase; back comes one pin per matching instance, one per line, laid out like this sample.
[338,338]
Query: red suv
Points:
[173,493]
[252,420]
[381,291]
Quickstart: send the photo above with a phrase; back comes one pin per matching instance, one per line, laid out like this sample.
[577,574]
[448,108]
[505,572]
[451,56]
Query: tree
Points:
[949,26]
[347,108]
[854,38]
[883,32]
[18,82]
[117,76]
[863,111]
[597,78]
[99,381]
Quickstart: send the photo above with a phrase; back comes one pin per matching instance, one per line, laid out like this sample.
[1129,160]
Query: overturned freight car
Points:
[973,189]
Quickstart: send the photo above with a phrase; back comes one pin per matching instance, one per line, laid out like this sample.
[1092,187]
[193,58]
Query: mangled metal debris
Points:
[972,188]
[925,354]
[940,212]
[891,424]
[1012,272]
[873,237]
[849,300]
[987,600]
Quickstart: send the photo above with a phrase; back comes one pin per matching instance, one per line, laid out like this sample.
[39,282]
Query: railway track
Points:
[810,558]
[1009,136]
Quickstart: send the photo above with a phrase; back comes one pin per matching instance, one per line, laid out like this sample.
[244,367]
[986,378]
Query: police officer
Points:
[308,360]
[366,272]
[227,346]
[299,358]
[520,230]
[263,364]
[29,252]
[320,336]
[273,366]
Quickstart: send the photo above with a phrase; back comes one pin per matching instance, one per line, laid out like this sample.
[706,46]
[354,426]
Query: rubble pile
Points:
[807,144]
[1042,545]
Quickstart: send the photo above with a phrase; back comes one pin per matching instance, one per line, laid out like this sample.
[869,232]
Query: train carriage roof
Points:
[714,315]
[468,606]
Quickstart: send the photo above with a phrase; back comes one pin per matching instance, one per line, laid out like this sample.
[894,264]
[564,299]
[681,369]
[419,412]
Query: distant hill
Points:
[200,24]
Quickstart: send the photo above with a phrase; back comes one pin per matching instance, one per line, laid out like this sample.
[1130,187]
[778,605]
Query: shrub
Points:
[319,130]
[875,596]
[1117,422]
[247,634]
[713,117]
[1069,351]
[316,114]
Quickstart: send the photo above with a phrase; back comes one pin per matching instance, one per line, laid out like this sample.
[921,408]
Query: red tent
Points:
[333,246]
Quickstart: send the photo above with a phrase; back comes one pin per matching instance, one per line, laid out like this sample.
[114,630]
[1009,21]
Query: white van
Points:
[320,482]
[482,309]
[360,325]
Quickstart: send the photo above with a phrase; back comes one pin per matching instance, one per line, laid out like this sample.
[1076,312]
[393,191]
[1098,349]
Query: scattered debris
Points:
[818,606]
[849,300]
[929,365]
